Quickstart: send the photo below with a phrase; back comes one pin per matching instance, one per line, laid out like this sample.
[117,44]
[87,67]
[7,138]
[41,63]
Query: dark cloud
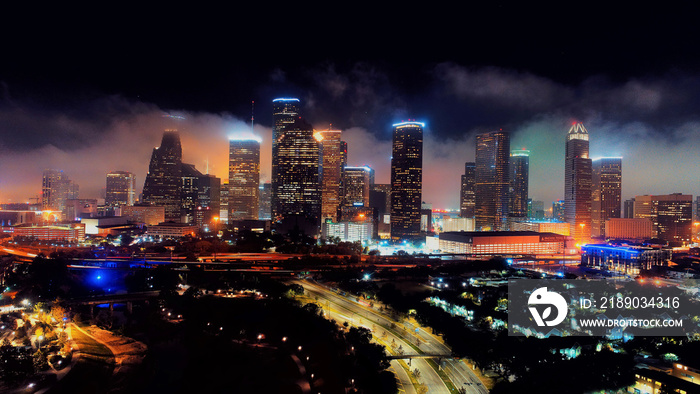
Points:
[651,122]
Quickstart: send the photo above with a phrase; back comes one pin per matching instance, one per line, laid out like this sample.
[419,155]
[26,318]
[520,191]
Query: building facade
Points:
[296,195]
[519,182]
[467,195]
[495,243]
[606,196]
[671,216]
[163,184]
[406,180]
[285,111]
[492,181]
[244,179]
[56,189]
[120,188]
[331,173]
[357,186]
[630,260]
[578,184]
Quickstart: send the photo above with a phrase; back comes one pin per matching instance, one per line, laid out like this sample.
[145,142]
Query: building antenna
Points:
[207,165]
[252,115]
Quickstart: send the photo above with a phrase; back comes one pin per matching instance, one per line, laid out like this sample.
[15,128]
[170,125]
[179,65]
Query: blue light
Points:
[421,124]
[285,99]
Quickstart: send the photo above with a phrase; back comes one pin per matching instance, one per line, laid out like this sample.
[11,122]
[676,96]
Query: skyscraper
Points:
[56,189]
[406,180]
[578,184]
[297,191]
[244,179]
[558,210]
[492,182]
[519,182]
[467,195]
[357,186]
[285,111]
[606,196]
[121,188]
[671,216]
[163,183]
[331,173]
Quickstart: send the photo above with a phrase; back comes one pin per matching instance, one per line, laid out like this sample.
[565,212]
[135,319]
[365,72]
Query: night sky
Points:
[86,90]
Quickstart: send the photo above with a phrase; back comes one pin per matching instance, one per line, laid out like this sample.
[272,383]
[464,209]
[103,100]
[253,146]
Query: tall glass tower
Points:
[607,192]
[285,111]
[163,182]
[406,180]
[244,179]
[492,181]
[578,184]
[519,182]
[331,173]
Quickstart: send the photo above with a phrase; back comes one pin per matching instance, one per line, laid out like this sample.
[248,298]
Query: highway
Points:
[407,335]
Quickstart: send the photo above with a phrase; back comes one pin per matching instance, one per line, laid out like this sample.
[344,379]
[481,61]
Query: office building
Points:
[265,209]
[467,195]
[578,184]
[628,209]
[200,196]
[120,188]
[163,183]
[519,182]
[406,180]
[606,196]
[285,111]
[457,224]
[558,210]
[146,214]
[560,228]
[244,179]
[56,189]
[492,181]
[357,186]
[628,229]
[671,216]
[331,174]
[296,193]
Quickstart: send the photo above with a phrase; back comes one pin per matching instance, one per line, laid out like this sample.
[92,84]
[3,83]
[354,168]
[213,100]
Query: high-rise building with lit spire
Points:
[578,184]
[492,181]
[406,180]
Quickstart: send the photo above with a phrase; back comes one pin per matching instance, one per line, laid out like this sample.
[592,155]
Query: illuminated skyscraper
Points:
[519,182]
[297,192]
[121,188]
[406,180]
[200,196]
[285,111]
[671,216]
[558,210]
[56,189]
[606,197]
[492,182]
[163,185]
[467,196]
[331,176]
[578,184]
[244,179]
[357,186]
